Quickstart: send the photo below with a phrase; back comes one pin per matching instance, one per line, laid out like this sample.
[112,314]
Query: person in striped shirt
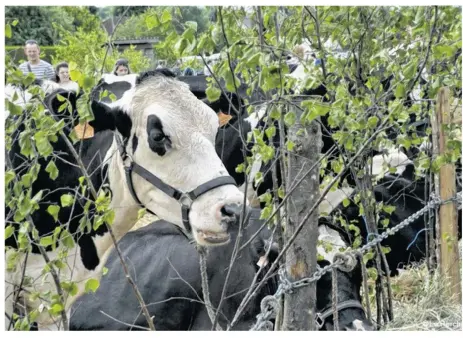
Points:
[41,69]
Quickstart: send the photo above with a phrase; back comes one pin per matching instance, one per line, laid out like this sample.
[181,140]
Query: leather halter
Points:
[321,316]
[185,199]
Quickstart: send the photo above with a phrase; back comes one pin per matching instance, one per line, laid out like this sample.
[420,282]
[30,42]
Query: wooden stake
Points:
[448,217]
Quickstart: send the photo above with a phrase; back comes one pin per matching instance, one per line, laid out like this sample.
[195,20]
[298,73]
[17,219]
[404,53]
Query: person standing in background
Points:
[42,69]
[121,67]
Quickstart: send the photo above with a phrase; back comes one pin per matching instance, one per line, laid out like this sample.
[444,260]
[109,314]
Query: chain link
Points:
[343,261]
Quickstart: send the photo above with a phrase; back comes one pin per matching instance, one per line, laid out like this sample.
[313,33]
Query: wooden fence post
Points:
[448,218]
[301,258]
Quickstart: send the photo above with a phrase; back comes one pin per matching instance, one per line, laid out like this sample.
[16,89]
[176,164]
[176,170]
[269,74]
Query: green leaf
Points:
[385,249]
[62,107]
[368,256]
[46,241]
[109,217]
[112,97]
[346,202]
[43,144]
[166,16]
[290,145]
[92,285]
[14,23]
[141,213]
[9,176]
[60,98]
[181,45]
[270,132]
[70,287]
[52,170]
[389,209]
[192,24]
[56,308]
[213,94]
[400,91]
[54,210]
[410,70]
[254,60]
[8,31]
[372,273]
[26,180]
[290,118]
[439,51]
[67,200]
[9,230]
[240,168]
[372,122]
[105,270]
[151,21]
[67,239]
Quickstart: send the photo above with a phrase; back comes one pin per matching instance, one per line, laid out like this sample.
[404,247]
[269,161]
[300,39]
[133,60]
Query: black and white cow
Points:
[166,136]
[407,195]
[166,269]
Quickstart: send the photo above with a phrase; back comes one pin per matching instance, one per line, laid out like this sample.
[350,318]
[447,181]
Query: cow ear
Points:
[104,118]
[107,118]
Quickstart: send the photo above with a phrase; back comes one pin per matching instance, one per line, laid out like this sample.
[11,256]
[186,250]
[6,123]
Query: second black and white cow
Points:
[155,151]
[407,195]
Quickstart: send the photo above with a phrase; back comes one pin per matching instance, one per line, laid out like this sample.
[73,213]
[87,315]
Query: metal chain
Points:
[343,260]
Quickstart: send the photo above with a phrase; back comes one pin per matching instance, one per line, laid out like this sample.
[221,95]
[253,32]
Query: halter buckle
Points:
[185,200]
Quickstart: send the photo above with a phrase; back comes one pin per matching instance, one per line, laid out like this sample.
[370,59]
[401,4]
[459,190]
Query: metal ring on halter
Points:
[185,200]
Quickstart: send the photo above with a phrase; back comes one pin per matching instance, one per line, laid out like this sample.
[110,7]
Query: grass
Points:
[421,303]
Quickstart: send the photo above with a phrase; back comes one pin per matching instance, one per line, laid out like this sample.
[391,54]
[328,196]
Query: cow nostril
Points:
[230,211]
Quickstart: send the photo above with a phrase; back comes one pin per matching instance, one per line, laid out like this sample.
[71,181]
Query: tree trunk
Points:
[301,257]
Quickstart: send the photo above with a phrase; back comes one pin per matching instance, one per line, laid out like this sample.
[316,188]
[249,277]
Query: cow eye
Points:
[159,137]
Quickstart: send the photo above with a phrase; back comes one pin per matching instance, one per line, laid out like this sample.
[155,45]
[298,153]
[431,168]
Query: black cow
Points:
[407,195]
[174,299]
[166,269]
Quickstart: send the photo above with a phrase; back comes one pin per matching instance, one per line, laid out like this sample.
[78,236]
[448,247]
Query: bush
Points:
[87,50]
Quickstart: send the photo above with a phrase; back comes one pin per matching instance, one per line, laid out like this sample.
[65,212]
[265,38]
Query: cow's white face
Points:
[173,135]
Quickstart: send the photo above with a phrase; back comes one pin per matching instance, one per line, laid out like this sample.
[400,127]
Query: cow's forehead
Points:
[185,116]
[173,103]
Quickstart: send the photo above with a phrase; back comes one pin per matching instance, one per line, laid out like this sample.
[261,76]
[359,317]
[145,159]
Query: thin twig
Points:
[431,35]
[110,38]
[121,322]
